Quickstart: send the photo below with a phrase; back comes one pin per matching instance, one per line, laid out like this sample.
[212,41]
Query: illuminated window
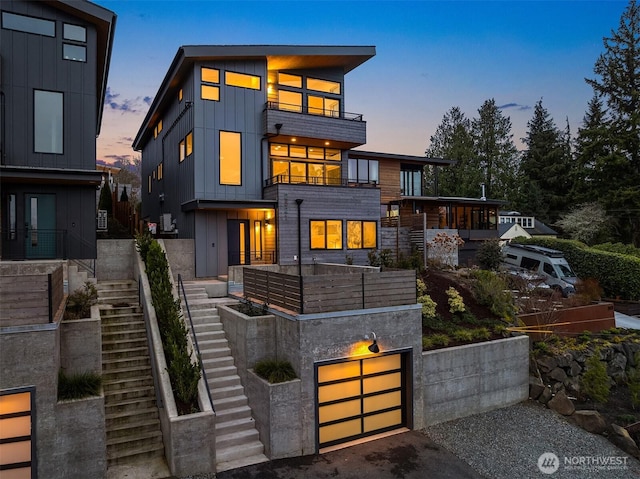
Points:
[181,150]
[318,105]
[210,92]
[326,234]
[287,79]
[180,95]
[230,158]
[189,143]
[17,437]
[210,75]
[325,86]
[289,101]
[48,114]
[185,147]
[361,234]
[160,170]
[242,80]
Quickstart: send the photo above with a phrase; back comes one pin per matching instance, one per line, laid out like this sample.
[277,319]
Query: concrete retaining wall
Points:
[474,378]
[277,411]
[81,344]
[81,439]
[115,259]
[181,257]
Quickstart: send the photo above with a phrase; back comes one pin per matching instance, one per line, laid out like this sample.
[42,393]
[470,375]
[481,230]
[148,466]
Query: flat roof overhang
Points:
[57,176]
[448,200]
[200,205]
[372,155]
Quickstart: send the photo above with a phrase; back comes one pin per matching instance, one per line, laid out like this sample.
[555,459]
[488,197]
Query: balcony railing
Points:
[29,243]
[315,180]
[275,105]
[252,257]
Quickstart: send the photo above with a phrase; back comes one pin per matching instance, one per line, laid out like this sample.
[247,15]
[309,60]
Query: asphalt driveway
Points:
[409,455]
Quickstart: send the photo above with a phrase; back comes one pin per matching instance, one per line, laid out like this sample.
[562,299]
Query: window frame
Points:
[210,85]
[30,17]
[36,115]
[326,237]
[250,77]
[363,244]
[237,162]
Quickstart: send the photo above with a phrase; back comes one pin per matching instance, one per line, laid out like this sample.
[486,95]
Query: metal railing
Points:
[320,112]
[29,243]
[316,180]
[252,257]
[195,339]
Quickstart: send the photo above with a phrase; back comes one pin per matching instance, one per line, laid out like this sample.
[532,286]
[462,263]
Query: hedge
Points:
[617,274]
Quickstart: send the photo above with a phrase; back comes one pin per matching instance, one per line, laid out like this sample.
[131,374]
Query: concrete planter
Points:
[277,411]
[474,378]
[81,438]
[81,344]
[251,338]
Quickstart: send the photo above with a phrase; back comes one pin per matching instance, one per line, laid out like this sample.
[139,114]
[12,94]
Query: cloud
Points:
[113,101]
[517,106]
[147,100]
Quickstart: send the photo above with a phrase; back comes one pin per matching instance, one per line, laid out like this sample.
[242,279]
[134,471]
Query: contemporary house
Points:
[249,150]
[54,63]
[55,59]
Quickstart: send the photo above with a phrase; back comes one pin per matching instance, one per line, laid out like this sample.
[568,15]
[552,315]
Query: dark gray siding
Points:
[31,62]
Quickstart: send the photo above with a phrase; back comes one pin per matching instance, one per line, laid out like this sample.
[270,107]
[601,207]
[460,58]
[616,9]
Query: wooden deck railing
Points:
[330,292]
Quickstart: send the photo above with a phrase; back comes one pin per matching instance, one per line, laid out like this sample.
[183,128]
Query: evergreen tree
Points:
[544,169]
[106,201]
[453,141]
[618,82]
[495,150]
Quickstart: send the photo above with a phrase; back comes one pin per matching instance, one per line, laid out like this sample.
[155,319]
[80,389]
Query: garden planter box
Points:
[593,317]
[277,411]
[81,344]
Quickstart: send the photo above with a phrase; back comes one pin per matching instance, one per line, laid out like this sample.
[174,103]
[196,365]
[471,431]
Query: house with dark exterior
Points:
[249,150]
[55,59]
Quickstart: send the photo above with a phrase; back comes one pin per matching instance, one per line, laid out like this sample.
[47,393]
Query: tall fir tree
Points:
[495,150]
[453,141]
[618,83]
[544,169]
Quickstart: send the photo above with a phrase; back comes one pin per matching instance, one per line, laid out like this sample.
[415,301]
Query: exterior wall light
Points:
[374,348]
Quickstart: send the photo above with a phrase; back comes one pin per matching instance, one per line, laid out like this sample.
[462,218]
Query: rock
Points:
[564,359]
[546,395]
[547,363]
[558,374]
[556,387]
[535,387]
[560,403]
[590,421]
[574,369]
[572,385]
[631,351]
[620,437]
[616,368]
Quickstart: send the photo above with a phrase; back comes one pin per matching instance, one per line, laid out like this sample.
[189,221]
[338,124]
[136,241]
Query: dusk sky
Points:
[430,57]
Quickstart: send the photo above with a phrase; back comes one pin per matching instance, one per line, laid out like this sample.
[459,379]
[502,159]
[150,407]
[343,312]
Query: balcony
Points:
[315,180]
[344,130]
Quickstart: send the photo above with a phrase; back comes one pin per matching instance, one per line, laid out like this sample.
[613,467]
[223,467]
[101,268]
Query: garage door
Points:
[362,397]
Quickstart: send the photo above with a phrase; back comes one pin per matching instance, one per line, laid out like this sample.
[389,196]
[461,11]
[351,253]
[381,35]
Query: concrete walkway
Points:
[629,322]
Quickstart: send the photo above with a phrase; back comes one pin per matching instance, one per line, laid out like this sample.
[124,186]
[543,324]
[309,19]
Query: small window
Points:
[181,148]
[75,33]
[325,86]
[76,53]
[242,80]
[279,150]
[24,23]
[160,172]
[361,234]
[189,144]
[157,129]
[326,234]
[230,158]
[149,184]
[209,92]
[180,95]
[210,75]
[287,79]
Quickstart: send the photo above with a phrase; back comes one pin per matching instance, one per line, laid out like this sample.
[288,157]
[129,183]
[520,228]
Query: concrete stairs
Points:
[131,413]
[237,440]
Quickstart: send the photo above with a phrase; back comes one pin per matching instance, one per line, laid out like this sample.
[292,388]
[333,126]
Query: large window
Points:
[24,23]
[242,80]
[290,101]
[326,234]
[290,80]
[363,171]
[48,122]
[411,182]
[230,158]
[209,89]
[323,106]
[361,234]
[305,164]
[325,86]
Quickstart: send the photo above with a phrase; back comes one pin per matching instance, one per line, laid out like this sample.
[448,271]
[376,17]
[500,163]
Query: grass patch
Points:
[78,386]
[275,371]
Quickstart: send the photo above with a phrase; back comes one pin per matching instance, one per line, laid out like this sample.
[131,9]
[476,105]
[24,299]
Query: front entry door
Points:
[40,226]
[238,242]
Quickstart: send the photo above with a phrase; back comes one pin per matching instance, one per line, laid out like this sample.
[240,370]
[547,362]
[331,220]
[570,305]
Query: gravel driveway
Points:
[507,443]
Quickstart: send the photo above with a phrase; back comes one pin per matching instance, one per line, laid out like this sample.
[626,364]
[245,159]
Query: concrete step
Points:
[113,396]
[220,342]
[113,364]
[121,299]
[107,311]
[227,391]
[119,419]
[222,381]
[124,430]
[215,353]
[125,342]
[238,438]
[127,324]
[232,414]
[230,402]
[234,453]
[130,406]
[117,383]
[242,462]
[125,353]
[134,372]
[129,455]
[213,371]
[236,425]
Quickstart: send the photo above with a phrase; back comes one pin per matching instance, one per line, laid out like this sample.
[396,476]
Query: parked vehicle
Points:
[544,262]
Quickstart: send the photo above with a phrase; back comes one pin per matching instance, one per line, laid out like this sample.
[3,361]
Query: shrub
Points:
[275,371]
[595,381]
[382,258]
[481,333]
[428,306]
[619,248]
[462,335]
[80,301]
[456,303]
[492,290]
[440,339]
[78,386]
[489,255]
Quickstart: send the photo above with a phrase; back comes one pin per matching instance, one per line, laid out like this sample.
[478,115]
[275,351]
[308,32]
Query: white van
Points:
[544,262]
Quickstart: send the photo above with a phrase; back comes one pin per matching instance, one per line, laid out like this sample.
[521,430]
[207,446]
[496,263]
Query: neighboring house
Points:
[250,150]
[533,227]
[509,231]
[55,59]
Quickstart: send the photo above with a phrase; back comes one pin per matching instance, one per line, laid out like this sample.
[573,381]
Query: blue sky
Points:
[431,56]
